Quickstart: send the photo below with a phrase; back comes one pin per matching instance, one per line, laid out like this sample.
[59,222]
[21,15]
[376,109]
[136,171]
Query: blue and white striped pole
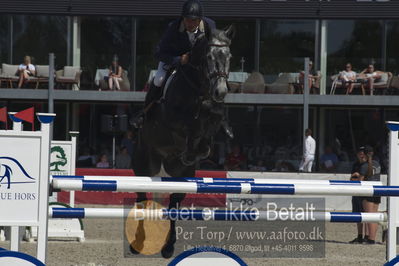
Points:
[225,187]
[215,180]
[216,215]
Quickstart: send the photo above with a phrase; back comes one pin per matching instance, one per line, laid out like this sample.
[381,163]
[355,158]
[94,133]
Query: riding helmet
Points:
[192,9]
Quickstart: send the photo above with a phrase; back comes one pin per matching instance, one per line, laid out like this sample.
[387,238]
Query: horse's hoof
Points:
[167,251]
[133,251]
[188,160]
[204,153]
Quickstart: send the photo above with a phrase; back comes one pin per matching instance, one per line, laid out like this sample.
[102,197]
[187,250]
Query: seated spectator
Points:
[236,160]
[329,160]
[283,166]
[115,75]
[103,161]
[123,159]
[25,70]
[314,78]
[128,142]
[348,78]
[369,76]
[259,167]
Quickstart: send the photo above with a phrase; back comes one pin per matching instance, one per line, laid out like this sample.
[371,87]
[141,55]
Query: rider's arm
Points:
[164,49]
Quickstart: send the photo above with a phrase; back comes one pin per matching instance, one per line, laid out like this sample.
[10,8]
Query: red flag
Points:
[3,115]
[27,115]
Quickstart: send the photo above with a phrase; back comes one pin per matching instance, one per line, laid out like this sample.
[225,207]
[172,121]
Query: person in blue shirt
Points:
[329,160]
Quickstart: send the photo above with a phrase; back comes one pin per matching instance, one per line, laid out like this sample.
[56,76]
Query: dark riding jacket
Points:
[175,41]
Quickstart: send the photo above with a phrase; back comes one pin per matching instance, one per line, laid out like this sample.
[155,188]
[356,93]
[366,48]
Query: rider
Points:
[174,48]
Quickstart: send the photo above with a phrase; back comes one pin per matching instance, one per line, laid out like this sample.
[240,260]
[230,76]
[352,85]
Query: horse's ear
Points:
[230,31]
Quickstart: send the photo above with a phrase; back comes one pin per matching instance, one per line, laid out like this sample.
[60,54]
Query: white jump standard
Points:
[216,215]
[224,187]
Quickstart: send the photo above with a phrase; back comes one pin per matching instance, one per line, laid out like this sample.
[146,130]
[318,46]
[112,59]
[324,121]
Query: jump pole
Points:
[225,187]
[216,215]
[215,180]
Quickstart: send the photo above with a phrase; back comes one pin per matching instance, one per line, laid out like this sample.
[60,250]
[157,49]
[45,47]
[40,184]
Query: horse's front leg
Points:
[169,247]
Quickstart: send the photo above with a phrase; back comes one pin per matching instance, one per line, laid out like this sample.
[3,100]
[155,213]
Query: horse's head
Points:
[219,62]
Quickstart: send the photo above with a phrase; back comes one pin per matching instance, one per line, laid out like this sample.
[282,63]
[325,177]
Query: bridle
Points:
[218,74]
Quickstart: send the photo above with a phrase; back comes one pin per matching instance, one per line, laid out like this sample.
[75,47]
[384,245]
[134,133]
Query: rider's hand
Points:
[184,59]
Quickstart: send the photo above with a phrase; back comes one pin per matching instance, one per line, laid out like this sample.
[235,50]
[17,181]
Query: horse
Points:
[178,132]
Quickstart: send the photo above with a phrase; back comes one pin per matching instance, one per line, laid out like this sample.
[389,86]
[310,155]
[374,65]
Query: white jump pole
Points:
[215,180]
[217,215]
[224,187]
[393,180]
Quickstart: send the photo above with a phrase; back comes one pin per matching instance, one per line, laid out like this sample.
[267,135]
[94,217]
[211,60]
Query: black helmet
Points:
[192,9]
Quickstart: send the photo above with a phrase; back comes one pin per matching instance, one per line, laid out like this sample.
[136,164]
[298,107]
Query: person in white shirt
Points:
[370,76]
[348,78]
[25,71]
[308,152]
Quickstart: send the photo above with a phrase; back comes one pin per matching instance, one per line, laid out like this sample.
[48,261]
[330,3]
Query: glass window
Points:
[347,129]
[355,41]
[149,33]
[264,140]
[101,39]
[4,39]
[392,46]
[243,44]
[38,36]
[284,45]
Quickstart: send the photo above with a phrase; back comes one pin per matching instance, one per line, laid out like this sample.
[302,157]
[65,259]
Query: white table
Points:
[100,74]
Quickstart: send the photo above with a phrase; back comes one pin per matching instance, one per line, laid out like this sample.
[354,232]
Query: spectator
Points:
[329,160]
[357,202]
[236,160]
[115,74]
[314,78]
[348,78]
[103,161]
[128,142]
[308,152]
[258,167]
[371,172]
[369,76]
[123,159]
[283,166]
[25,70]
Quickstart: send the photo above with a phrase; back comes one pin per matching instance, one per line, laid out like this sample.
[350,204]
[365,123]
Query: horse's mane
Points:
[219,36]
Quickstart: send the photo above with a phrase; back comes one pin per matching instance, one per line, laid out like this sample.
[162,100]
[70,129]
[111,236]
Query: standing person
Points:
[357,174]
[25,70]
[115,74]
[371,172]
[309,151]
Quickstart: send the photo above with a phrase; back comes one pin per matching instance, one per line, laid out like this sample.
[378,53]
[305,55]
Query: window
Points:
[356,41]
[243,44]
[149,33]
[101,39]
[392,46]
[38,36]
[284,45]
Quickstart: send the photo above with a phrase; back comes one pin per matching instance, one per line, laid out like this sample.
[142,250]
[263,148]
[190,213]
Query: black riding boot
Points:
[153,95]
